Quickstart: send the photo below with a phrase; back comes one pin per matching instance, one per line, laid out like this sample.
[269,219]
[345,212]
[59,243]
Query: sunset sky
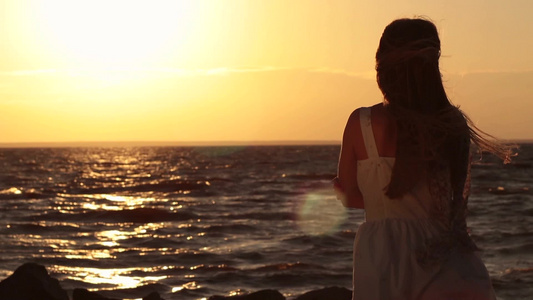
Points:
[242,70]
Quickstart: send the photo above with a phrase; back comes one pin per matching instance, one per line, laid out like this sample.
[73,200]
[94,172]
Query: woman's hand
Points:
[337,188]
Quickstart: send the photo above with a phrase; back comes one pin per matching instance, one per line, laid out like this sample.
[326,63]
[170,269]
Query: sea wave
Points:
[193,222]
[136,215]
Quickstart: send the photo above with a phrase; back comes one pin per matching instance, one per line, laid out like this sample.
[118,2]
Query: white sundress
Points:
[386,244]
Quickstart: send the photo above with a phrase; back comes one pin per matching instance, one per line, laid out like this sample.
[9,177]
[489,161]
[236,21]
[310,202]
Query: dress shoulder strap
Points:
[368,134]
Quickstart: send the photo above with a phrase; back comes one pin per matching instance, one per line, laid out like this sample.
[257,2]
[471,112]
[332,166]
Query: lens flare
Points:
[319,212]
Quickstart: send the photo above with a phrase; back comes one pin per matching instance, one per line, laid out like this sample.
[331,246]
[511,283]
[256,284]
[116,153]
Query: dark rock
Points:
[83,294]
[259,295]
[29,282]
[153,296]
[329,293]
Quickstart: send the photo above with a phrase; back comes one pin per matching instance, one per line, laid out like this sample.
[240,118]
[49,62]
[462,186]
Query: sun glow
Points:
[242,70]
[112,34]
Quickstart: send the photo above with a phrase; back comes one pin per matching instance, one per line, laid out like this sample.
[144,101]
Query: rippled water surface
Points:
[192,222]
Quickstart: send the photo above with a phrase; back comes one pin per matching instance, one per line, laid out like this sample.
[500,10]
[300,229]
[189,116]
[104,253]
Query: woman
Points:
[405,161]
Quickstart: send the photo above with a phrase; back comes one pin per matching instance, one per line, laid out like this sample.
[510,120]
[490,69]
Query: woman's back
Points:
[375,169]
[392,245]
[384,133]
[406,163]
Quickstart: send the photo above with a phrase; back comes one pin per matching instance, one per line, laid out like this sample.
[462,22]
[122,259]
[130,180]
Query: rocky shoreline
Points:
[31,281]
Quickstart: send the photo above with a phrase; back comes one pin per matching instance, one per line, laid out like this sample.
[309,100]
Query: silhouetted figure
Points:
[406,162]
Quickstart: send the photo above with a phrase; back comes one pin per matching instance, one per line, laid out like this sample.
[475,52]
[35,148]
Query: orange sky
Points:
[242,70]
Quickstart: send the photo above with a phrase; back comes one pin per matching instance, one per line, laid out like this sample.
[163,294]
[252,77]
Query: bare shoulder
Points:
[379,111]
[354,124]
[353,136]
[354,116]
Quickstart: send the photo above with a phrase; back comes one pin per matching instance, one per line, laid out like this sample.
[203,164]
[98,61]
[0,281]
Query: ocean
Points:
[192,222]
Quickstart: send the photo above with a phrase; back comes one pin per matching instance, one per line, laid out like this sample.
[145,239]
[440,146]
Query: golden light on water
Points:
[192,285]
[12,190]
[111,238]
[92,206]
[123,202]
[88,254]
[237,292]
[119,278]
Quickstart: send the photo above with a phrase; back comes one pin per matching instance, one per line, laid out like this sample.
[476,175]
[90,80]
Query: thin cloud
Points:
[364,75]
[492,71]
[183,71]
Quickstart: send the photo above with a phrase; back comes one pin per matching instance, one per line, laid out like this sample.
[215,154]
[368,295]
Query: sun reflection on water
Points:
[117,278]
[192,285]
[89,254]
[122,202]
[93,206]
[111,238]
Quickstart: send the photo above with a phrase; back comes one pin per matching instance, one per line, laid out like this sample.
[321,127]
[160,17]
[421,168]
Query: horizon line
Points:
[76,144]
[90,144]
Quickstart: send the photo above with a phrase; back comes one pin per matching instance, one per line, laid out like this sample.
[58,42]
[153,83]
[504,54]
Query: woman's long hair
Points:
[433,136]
[430,129]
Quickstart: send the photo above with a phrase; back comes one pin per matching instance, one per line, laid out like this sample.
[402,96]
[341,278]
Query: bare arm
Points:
[347,188]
